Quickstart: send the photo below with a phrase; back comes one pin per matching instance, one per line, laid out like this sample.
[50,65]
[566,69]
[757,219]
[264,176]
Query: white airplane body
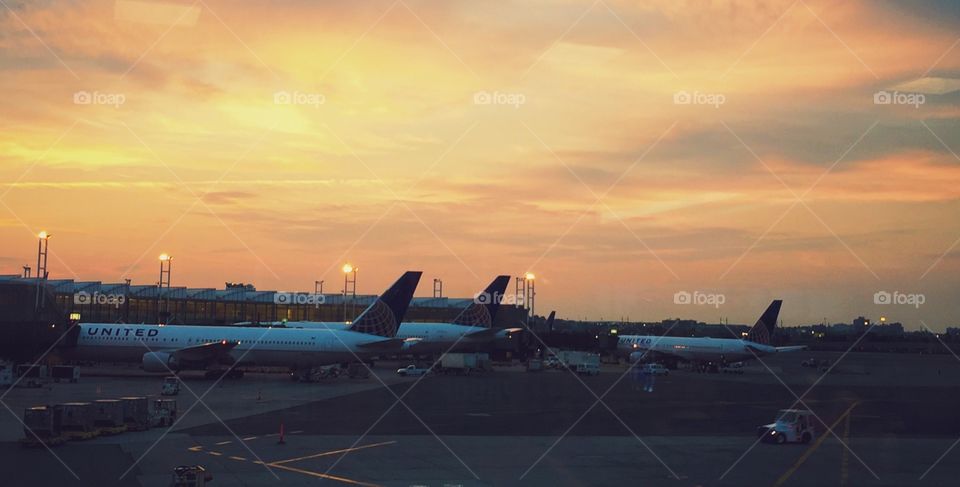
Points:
[472,327]
[176,347]
[702,349]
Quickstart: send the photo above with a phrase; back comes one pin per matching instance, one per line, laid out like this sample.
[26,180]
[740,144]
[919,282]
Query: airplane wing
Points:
[205,351]
[490,333]
[794,348]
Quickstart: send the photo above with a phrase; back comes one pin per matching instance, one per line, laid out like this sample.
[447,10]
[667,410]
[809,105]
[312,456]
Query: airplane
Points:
[708,350]
[173,348]
[470,329]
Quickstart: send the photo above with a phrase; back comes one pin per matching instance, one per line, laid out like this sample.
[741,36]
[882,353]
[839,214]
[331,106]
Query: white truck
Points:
[412,371]
[585,363]
[791,426]
[464,363]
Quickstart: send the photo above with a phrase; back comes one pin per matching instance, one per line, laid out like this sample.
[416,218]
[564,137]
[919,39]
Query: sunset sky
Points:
[468,139]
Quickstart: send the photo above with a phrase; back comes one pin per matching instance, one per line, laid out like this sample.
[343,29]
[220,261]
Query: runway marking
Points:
[845,462]
[324,476]
[224,443]
[334,452]
[823,437]
[281,463]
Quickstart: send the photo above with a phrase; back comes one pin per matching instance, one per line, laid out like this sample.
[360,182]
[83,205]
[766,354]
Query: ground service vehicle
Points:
[464,363]
[42,427]
[791,425]
[412,371]
[67,373]
[587,369]
[164,412]
[654,369]
[171,386]
[32,375]
[6,375]
[190,476]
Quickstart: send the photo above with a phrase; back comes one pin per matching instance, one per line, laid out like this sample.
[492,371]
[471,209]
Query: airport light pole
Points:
[43,245]
[166,265]
[349,286]
[437,288]
[317,287]
[530,298]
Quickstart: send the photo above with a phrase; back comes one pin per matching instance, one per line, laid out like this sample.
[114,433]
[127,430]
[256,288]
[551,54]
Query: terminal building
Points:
[99,302]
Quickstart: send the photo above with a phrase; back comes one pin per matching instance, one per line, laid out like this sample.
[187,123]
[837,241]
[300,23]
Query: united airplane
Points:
[708,350]
[184,347]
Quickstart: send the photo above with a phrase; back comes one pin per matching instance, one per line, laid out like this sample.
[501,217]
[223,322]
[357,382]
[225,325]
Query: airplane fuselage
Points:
[260,346]
[694,349]
[428,337]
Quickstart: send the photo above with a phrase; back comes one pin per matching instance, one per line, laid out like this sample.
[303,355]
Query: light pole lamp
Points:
[43,246]
[349,286]
[530,298]
[166,265]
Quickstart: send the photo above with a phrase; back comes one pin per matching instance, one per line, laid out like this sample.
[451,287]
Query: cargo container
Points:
[67,373]
[136,413]
[32,375]
[108,416]
[464,363]
[77,421]
[42,426]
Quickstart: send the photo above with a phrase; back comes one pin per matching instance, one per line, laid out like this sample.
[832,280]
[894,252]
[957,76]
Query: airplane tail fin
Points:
[384,316]
[485,305]
[763,330]
[553,314]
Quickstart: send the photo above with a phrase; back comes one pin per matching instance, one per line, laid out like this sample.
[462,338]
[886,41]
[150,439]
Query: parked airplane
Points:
[708,350]
[471,328]
[184,347]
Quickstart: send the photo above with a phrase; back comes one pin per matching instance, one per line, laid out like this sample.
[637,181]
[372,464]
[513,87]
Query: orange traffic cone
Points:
[281,441]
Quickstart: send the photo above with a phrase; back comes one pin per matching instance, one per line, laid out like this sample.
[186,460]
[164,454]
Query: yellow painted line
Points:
[334,452]
[239,459]
[224,443]
[250,438]
[324,476]
[823,437]
[214,453]
[196,448]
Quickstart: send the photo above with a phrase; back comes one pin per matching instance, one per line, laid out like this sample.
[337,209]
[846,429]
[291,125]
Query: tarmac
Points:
[892,422]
